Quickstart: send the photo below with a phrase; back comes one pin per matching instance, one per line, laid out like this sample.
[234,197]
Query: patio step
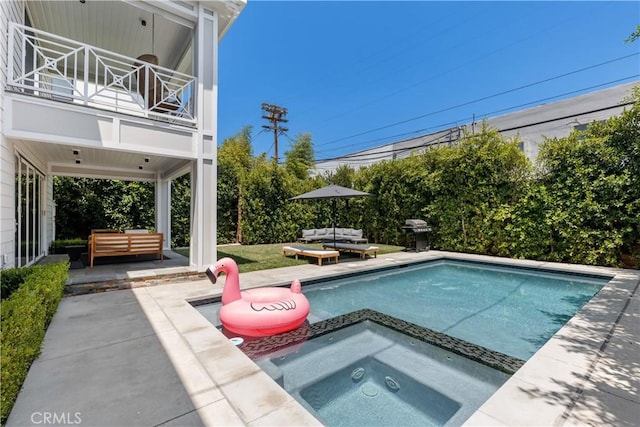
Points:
[72,289]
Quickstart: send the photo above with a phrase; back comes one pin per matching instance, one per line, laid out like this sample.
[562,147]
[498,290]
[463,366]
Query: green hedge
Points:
[11,279]
[59,246]
[24,317]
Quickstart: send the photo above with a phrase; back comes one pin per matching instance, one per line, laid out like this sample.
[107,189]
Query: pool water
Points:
[361,359]
[381,396]
[369,375]
[509,310]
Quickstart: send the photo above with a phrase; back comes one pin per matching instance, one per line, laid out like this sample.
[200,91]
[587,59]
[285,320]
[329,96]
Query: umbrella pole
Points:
[334,224]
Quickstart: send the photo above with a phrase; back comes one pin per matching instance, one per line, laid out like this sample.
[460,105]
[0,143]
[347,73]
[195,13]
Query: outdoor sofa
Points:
[351,235]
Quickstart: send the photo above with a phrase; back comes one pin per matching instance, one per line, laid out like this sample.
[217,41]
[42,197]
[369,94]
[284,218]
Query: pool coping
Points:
[228,388]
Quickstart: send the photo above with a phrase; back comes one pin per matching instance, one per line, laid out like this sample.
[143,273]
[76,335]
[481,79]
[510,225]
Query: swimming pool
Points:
[555,297]
[510,310]
[366,374]
[513,311]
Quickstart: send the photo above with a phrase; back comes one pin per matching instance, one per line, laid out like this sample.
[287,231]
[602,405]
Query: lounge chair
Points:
[319,254]
[363,250]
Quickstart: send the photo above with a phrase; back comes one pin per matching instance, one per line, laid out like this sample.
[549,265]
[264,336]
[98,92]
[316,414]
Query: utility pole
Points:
[274,114]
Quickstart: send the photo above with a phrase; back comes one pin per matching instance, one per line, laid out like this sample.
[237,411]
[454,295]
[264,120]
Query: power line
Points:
[397,51]
[384,154]
[387,52]
[448,71]
[466,119]
[481,99]
[462,46]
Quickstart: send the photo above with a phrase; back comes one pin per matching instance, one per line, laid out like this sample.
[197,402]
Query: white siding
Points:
[9,11]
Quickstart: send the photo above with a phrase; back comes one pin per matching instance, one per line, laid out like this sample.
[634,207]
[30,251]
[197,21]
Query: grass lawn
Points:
[264,257]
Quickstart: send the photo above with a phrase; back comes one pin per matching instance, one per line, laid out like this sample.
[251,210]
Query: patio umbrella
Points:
[331,192]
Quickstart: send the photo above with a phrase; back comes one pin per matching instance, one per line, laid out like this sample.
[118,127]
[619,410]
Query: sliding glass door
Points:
[28,213]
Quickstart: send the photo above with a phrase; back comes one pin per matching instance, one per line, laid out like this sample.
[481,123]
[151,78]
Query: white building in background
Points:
[76,102]
[555,119]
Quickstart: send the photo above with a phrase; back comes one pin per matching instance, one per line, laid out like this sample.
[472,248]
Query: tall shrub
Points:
[399,192]
[468,186]
[235,163]
[593,182]
[269,217]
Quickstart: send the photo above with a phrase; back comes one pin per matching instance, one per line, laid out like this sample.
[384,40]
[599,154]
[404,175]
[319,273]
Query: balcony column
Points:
[163,210]
[203,172]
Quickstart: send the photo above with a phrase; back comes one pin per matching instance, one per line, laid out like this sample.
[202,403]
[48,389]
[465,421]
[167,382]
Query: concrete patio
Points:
[144,356]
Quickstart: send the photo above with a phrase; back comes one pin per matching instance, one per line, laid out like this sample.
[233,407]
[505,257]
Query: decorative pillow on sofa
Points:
[357,233]
[308,233]
[321,231]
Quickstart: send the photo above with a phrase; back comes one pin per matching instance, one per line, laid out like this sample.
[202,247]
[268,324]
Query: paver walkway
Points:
[102,364]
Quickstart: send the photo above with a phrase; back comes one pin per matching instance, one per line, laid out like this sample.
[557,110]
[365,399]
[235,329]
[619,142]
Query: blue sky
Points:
[360,74]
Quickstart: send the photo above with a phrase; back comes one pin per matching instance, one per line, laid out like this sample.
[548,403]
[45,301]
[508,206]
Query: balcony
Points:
[51,67]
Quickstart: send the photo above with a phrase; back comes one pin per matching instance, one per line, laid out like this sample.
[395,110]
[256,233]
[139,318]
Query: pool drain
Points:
[392,384]
[357,374]
[369,390]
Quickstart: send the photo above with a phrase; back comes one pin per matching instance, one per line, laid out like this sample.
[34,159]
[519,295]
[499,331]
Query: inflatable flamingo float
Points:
[258,312]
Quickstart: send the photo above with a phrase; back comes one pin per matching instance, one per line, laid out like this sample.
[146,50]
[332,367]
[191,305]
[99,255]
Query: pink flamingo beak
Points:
[212,273]
[214,269]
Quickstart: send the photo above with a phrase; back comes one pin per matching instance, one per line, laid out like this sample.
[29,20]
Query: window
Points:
[28,213]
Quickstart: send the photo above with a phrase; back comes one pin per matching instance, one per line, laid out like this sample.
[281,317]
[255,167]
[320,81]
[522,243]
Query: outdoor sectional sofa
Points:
[326,234]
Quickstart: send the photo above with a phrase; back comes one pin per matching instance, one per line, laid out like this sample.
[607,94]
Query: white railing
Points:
[50,66]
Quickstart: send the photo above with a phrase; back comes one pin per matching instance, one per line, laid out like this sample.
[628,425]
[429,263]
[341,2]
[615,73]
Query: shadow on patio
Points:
[126,272]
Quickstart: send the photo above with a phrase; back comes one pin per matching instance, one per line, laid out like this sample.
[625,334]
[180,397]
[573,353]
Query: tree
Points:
[301,157]
[593,181]
[634,36]
[181,211]
[270,217]
[398,193]
[468,184]
[235,162]
[84,204]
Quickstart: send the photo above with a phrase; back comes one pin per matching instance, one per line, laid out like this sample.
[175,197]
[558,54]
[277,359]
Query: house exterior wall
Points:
[9,11]
[46,143]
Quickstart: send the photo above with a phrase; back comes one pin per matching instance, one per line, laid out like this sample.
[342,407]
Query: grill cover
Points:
[416,225]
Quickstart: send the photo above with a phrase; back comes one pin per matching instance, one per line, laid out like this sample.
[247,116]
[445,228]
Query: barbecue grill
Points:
[419,230]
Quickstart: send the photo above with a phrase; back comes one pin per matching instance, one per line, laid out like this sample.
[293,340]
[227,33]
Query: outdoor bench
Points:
[120,244]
